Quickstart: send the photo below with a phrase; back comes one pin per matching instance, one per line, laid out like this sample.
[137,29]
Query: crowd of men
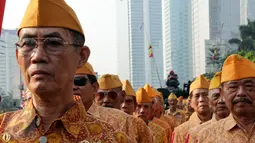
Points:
[65,102]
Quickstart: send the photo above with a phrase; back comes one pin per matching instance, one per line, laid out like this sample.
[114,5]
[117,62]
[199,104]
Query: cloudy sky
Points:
[98,19]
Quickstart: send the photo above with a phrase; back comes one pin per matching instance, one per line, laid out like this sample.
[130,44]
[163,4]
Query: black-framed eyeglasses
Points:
[112,94]
[52,45]
[80,81]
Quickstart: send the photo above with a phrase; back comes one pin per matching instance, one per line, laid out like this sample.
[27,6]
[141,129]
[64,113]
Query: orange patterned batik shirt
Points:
[159,133]
[135,128]
[180,132]
[75,126]
[226,131]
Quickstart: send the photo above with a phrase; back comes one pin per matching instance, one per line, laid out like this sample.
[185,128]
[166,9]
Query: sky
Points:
[98,19]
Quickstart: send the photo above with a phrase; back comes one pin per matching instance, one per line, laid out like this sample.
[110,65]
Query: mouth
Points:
[108,106]
[39,73]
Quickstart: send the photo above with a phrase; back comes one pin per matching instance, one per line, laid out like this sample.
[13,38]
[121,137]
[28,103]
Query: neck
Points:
[205,118]
[246,122]
[172,110]
[50,110]
[87,105]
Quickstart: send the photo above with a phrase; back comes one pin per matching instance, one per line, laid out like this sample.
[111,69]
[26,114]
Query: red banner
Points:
[2,6]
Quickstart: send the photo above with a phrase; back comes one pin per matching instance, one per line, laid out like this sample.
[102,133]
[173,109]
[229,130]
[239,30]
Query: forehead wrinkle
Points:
[42,32]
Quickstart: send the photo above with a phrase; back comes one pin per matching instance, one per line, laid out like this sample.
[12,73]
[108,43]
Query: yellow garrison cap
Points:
[86,69]
[237,67]
[109,81]
[215,82]
[148,89]
[156,93]
[50,13]
[142,96]
[200,82]
[172,96]
[127,87]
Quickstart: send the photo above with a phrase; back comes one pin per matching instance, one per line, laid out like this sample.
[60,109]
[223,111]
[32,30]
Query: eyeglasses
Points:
[52,45]
[80,81]
[112,94]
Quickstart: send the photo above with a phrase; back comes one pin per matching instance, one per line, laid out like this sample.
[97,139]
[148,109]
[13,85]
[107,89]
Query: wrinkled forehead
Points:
[214,91]
[109,90]
[145,104]
[241,81]
[43,33]
[200,91]
[129,97]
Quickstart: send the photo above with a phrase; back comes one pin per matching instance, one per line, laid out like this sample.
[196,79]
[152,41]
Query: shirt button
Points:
[43,139]
[6,137]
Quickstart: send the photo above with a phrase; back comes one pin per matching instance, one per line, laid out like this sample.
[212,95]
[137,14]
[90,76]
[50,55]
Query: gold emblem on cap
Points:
[6,137]
[84,141]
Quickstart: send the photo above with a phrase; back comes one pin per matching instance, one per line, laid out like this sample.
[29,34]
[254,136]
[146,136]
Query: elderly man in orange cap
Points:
[200,103]
[110,93]
[129,104]
[49,50]
[173,110]
[158,111]
[86,86]
[218,105]
[238,91]
[145,111]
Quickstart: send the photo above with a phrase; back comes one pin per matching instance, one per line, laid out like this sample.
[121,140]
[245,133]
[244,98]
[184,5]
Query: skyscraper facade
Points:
[177,38]
[139,24]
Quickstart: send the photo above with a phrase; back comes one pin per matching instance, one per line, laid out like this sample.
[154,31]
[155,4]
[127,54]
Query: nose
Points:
[203,98]
[141,111]
[106,99]
[221,101]
[75,88]
[39,55]
[124,105]
[241,92]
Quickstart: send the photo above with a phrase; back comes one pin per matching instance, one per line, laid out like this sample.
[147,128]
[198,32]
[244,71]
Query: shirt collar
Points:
[94,110]
[194,118]
[72,119]
[230,123]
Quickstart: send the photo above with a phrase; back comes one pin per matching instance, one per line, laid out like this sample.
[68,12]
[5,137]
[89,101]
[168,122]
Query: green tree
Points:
[247,33]
[249,55]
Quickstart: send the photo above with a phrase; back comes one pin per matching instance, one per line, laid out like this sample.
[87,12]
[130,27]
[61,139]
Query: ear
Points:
[17,57]
[84,56]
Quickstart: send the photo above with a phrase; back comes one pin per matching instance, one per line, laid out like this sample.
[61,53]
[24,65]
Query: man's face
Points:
[45,70]
[110,98]
[172,103]
[218,104]
[83,88]
[200,101]
[239,96]
[129,104]
[144,111]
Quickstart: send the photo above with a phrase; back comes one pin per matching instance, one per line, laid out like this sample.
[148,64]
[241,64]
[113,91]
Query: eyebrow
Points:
[53,34]
[248,81]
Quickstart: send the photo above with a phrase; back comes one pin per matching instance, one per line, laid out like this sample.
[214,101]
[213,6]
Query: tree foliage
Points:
[247,34]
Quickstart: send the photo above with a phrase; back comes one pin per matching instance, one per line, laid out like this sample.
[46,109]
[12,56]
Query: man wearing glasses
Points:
[238,91]
[86,87]
[49,50]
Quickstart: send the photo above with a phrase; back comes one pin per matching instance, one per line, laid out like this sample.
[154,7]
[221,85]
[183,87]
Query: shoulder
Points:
[194,130]
[212,130]
[101,130]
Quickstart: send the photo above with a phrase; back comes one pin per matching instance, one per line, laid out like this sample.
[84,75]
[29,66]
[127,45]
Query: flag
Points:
[2,5]
[214,53]
[150,51]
